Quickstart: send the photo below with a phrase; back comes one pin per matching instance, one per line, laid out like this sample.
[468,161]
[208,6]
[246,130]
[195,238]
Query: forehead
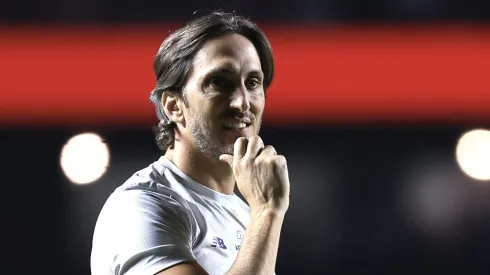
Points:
[232,51]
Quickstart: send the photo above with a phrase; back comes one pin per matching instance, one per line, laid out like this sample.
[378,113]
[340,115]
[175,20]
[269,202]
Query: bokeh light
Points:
[473,154]
[84,158]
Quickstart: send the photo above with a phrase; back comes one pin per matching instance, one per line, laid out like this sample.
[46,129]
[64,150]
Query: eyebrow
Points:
[257,73]
[227,70]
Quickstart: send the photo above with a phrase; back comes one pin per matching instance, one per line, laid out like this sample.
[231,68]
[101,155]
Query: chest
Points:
[221,236]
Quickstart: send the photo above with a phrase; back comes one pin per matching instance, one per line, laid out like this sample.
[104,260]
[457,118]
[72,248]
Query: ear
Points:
[173,107]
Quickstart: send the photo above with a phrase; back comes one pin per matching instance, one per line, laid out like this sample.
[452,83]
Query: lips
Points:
[237,125]
[236,121]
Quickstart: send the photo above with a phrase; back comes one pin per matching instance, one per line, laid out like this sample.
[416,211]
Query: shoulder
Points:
[149,212]
[151,196]
[151,191]
[154,183]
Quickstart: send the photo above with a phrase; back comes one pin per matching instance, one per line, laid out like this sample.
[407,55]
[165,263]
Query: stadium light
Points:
[473,154]
[84,158]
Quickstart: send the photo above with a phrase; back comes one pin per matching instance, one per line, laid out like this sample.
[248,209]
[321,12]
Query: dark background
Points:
[367,198]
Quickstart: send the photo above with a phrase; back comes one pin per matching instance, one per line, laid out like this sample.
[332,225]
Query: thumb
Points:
[227,158]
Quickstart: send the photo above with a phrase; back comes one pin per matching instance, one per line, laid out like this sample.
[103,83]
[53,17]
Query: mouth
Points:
[236,125]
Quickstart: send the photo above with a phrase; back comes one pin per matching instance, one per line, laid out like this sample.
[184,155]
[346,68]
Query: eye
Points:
[221,83]
[253,84]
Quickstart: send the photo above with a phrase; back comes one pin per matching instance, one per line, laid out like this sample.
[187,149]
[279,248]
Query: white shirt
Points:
[160,217]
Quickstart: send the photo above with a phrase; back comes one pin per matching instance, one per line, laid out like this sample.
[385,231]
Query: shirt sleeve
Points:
[144,232]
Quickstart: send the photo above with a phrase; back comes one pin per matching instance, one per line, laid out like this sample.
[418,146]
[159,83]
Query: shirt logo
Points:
[239,236]
[218,242]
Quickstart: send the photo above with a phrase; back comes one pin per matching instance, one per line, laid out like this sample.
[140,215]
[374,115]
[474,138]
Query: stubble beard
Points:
[206,143]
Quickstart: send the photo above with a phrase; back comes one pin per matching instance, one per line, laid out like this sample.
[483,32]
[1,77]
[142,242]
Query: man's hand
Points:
[261,175]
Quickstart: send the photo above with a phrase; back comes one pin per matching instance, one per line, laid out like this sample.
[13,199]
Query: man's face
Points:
[225,95]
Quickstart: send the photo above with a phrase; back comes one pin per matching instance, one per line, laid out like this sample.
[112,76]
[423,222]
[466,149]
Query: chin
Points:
[228,149]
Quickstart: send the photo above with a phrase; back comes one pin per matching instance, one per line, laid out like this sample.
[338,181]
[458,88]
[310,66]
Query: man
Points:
[179,216]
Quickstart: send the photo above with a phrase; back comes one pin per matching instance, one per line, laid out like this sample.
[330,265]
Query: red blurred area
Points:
[104,74]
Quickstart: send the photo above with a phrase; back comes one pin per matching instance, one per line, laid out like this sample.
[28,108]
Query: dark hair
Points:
[175,55]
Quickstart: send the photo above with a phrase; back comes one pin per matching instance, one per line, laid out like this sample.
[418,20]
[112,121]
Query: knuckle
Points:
[245,162]
[256,140]
[270,150]
[280,161]
[268,160]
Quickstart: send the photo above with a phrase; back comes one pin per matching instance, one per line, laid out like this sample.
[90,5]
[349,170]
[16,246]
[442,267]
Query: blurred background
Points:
[381,107]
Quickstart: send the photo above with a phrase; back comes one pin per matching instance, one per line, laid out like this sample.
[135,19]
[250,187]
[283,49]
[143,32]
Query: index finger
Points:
[239,149]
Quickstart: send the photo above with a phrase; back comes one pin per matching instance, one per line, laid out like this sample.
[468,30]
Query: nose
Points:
[240,100]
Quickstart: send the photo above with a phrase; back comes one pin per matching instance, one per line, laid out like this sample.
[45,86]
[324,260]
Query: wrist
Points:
[267,212]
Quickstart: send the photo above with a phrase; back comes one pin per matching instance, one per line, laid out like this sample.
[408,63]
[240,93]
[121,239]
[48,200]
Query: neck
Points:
[207,171]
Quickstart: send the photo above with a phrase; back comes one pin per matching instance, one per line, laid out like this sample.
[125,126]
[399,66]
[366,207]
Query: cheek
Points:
[257,105]
[201,115]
